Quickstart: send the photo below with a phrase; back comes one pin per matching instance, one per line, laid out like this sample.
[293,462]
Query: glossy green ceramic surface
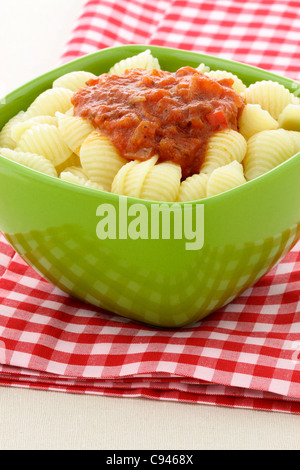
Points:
[52,224]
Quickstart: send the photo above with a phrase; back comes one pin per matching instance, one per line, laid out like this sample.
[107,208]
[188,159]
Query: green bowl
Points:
[164,281]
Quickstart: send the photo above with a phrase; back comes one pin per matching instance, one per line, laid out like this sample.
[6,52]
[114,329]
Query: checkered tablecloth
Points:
[247,354]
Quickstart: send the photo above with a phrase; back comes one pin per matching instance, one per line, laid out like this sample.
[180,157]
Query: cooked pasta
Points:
[148,180]
[271,96]
[6,138]
[73,80]
[144,60]
[238,85]
[118,185]
[193,188]
[224,178]
[44,139]
[76,171]
[162,183]
[94,185]
[74,130]
[130,178]
[18,129]
[72,161]
[268,149]
[74,178]
[223,147]
[51,101]
[31,160]
[203,68]
[49,138]
[100,159]
[254,119]
[289,119]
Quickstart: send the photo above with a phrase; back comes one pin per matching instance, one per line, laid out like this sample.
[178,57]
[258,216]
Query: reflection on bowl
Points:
[52,224]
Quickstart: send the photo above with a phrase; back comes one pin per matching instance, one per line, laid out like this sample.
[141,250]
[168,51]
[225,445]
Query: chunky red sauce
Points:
[148,112]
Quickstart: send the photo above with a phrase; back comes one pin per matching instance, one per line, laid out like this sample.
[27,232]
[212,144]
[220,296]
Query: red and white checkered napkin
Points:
[246,354]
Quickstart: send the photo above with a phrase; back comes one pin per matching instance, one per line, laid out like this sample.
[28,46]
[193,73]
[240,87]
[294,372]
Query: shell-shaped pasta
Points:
[6,138]
[238,86]
[254,119]
[46,140]
[51,101]
[148,180]
[118,185]
[268,149]
[100,159]
[73,80]
[76,171]
[19,128]
[289,119]
[193,188]
[136,178]
[94,185]
[72,161]
[144,60]
[271,96]
[223,147]
[74,178]
[31,160]
[130,179]
[295,137]
[203,68]
[74,130]
[224,178]
[162,183]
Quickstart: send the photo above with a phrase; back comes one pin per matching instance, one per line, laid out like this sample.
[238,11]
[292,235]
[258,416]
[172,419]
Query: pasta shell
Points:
[74,130]
[100,159]
[76,171]
[130,179]
[74,178]
[31,160]
[203,68]
[271,96]
[268,149]
[118,184]
[93,185]
[144,60]
[254,119]
[238,86]
[72,161]
[224,178]
[162,183]
[222,148]
[136,178]
[19,128]
[73,80]
[46,140]
[51,101]
[148,180]
[289,119]
[193,188]
[6,136]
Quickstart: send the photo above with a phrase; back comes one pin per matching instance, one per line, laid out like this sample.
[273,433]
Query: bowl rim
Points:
[134,49]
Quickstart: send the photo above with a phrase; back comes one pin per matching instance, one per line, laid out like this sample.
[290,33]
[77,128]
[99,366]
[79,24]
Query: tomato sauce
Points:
[154,112]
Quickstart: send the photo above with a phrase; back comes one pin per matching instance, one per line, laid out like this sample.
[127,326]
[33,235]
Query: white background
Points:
[33,34]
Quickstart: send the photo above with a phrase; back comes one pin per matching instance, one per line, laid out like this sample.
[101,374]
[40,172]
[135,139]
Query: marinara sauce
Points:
[154,112]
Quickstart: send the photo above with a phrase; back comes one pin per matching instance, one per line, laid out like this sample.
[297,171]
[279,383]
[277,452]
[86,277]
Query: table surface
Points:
[33,34]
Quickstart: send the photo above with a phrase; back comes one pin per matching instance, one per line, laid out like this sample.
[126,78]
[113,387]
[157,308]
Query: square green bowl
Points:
[52,224]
